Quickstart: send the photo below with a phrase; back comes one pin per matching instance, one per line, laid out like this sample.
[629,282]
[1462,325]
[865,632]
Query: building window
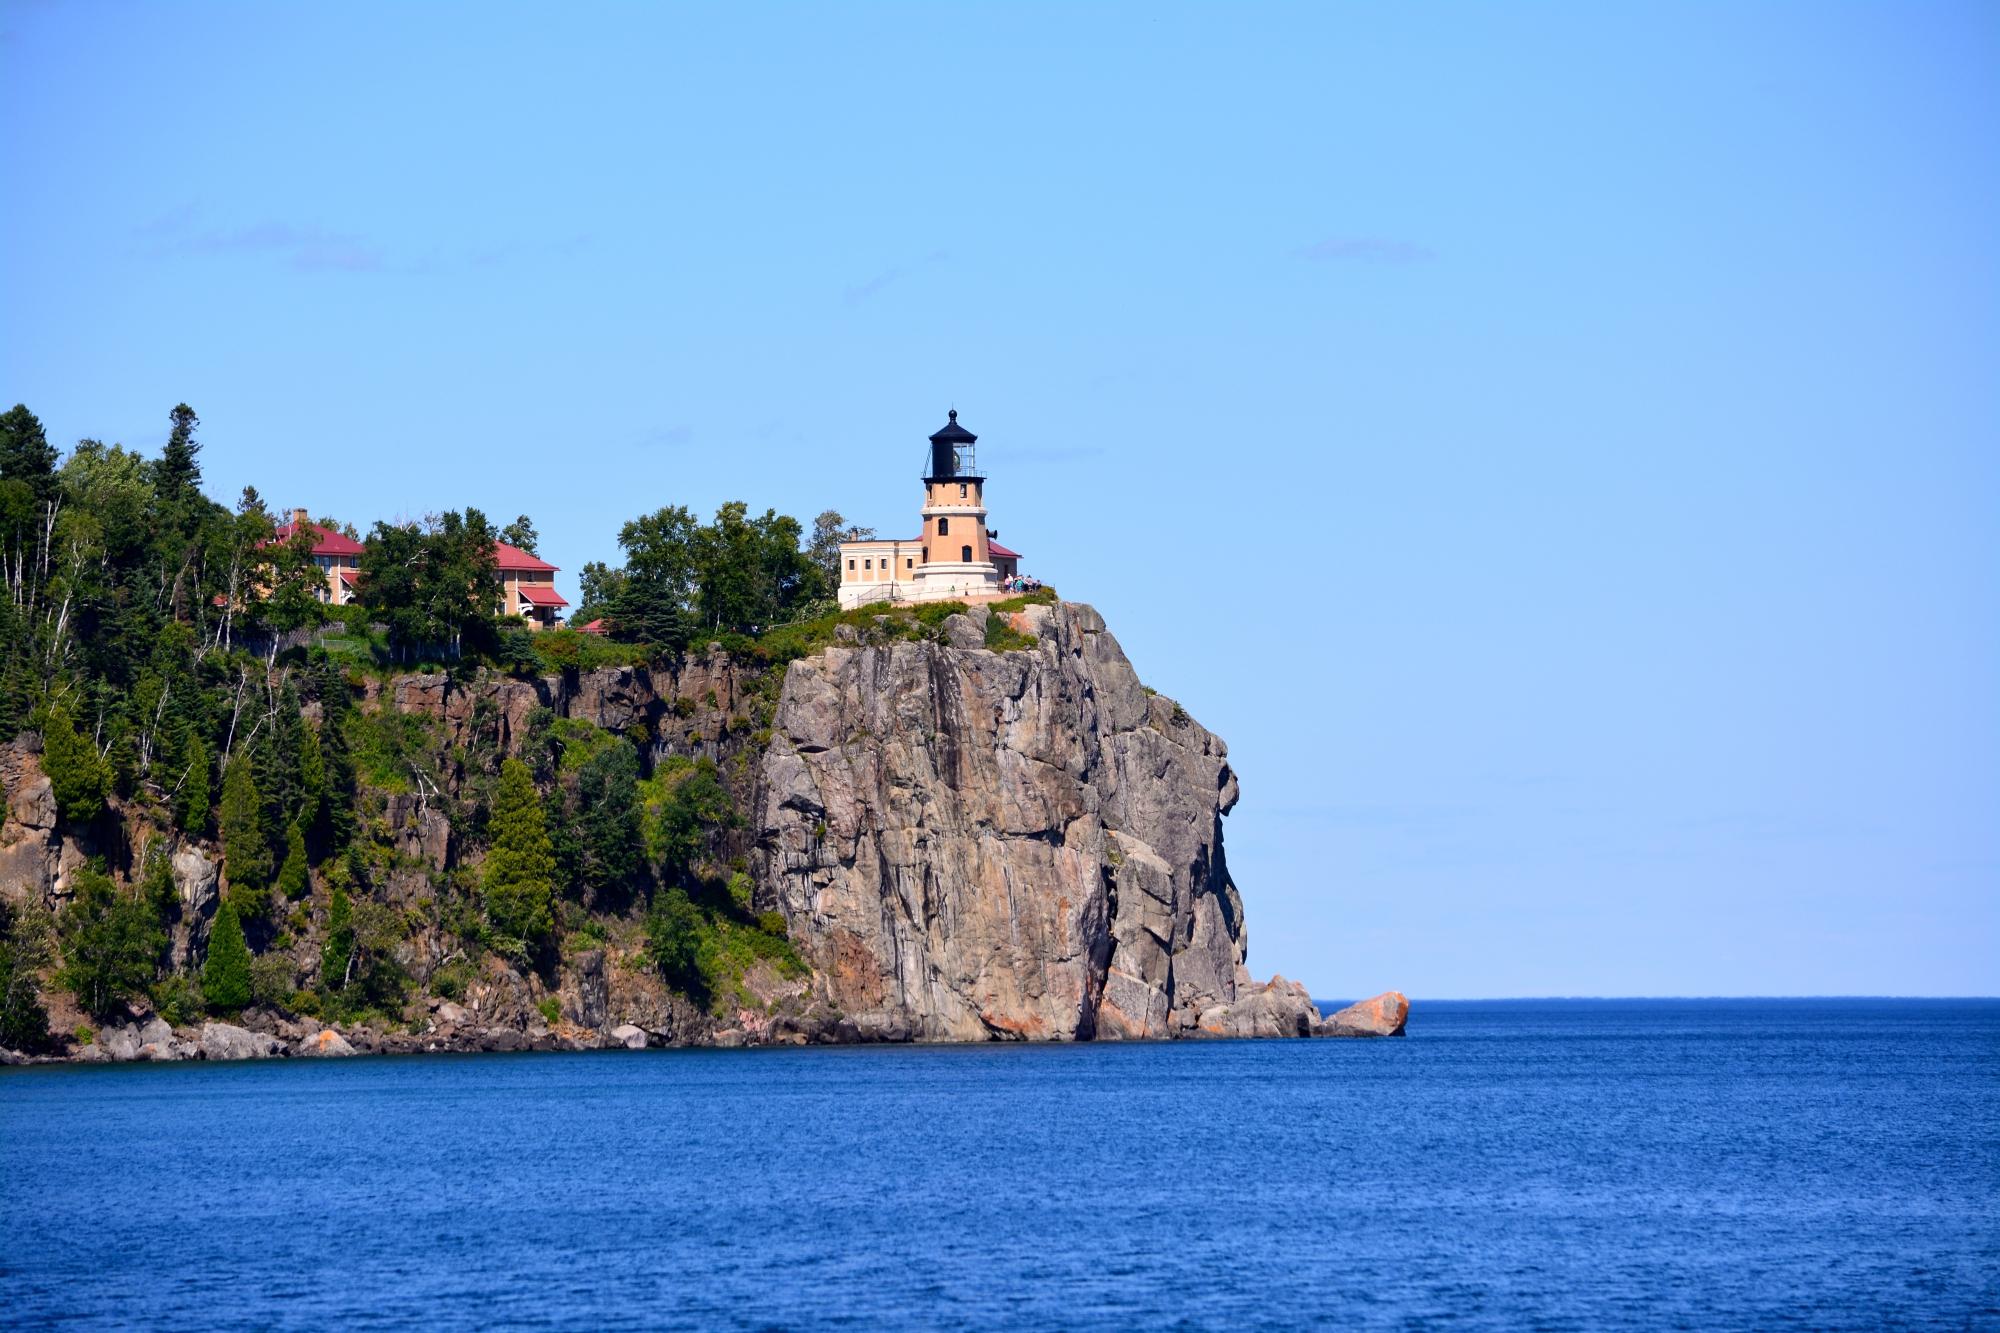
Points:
[961,490]
[944,527]
[850,564]
[908,563]
[868,564]
[965,554]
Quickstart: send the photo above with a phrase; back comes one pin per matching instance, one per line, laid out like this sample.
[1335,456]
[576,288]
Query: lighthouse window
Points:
[961,490]
[944,527]
[965,554]
[909,563]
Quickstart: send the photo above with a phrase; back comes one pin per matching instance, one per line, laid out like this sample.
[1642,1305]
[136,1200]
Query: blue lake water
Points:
[1560,1164]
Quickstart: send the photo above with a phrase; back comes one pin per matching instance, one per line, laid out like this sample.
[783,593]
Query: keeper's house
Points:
[955,557]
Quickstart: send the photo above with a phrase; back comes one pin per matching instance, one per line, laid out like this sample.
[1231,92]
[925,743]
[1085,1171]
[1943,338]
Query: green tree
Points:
[26,455]
[675,933]
[293,879]
[246,851]
[79,775]
[829,531]
[225,975]
[336,956]
[682,806]
[519,878]
[192,801]
[24,952]
[521,533]
[610,838]
[110,942]
[179,468]
[297,585]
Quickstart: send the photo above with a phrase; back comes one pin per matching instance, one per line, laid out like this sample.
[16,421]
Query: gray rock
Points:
[451,1015]
[966,631]
[226,1041]
[632,1038]
[119,1043]
[974,845]
[323,1043]
[593,992]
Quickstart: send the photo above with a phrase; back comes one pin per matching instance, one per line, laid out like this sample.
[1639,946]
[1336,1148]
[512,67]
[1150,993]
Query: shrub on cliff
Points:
[110,941]
[682,806]
[225,976]
[79,775]
[518,882]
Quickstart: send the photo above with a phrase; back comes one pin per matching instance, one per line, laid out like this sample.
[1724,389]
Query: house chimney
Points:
[299,517]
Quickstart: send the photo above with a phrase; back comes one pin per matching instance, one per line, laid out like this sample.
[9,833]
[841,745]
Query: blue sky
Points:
[1557,446]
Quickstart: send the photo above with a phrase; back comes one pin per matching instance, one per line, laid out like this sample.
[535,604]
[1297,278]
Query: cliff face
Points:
[973,844]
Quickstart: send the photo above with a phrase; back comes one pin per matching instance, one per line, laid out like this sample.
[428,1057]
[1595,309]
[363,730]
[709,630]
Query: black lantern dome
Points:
[951,453]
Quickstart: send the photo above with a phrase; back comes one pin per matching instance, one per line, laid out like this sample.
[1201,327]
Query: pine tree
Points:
[225,976]
[292,878]
[76,771]
[191,803]
[338,953]
[520,870]
[246,853]
[179,469]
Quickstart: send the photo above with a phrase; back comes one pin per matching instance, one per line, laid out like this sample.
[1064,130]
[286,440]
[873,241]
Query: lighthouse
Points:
[954,555]
[954,562]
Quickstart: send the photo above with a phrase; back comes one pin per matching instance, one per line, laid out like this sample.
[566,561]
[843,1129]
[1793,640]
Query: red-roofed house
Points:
[528,587]
[334,552]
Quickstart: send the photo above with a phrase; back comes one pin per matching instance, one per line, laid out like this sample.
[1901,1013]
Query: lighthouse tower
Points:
[955,556]
[955,559]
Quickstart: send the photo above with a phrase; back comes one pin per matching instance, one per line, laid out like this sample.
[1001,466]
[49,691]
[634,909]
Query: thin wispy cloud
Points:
[667,437]
[1368,250]
[308,249]
[862,292]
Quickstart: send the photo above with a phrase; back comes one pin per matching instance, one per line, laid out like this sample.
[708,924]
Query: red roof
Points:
[325,540]
[594,627]
[513,557]
[350,576]
[541,594]
[995,548]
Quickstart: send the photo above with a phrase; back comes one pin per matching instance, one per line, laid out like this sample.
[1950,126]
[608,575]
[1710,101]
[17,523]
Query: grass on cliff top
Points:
[885,624]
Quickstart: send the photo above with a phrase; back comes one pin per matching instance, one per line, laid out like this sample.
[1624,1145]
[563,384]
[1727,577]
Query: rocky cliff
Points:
[965,842]
[973,844]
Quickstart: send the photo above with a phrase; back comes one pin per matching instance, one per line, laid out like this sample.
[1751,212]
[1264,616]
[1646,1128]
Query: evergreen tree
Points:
[293,880]
[611,841]
[192,801]
[519,879]
[79,775]
[110,943]
[336,957]
[225,975]
[179,468]
[246,852]
[24,952]
[26,455]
